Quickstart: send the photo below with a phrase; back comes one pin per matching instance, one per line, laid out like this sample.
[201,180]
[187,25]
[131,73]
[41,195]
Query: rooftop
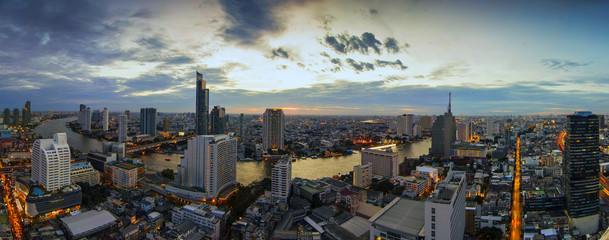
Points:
[402,215]
[81,223]
[127,165]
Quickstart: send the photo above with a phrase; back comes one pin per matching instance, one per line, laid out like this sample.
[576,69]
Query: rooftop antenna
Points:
[449,93]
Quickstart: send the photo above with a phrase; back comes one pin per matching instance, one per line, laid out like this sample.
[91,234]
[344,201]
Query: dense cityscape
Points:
[304,120]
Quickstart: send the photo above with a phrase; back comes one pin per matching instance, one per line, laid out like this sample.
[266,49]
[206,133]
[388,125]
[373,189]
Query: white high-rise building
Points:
[209,163]
[51,162]
[106,119]
[122,128]
[445,208]
[281,180]
[86,126]
[273,129]
[384,162]
[405,125]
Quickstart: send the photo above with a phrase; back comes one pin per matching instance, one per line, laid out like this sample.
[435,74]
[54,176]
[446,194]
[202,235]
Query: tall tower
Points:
[281,180]
[7,117]
[86,126]
[51,162]
[16,116]
[202,105]
[122,128]
[106,119]
[218,122]
[443,133]
[404,125]
[210,163]
[27,113]
[148,121]
[273,129]
[580,171]
[241,125]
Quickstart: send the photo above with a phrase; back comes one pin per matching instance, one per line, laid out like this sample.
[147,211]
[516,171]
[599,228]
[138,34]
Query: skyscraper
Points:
[7,117]
[404,125]
[241,116]
[202,106]
[445,208]
[209,163]
[426,123]
[601,121]
[16,116]
[383,162]
[148,121]
[281,180]
[122,128]
[51,162]
[218,122]
[443,133]
[462,132]
[86,126]
[95,116]
[580,171]
[166,124]
[273,129]
[81,114]
[106,118]
[27,113]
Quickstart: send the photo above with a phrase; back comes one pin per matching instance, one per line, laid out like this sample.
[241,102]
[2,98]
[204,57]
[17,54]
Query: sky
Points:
[339,57]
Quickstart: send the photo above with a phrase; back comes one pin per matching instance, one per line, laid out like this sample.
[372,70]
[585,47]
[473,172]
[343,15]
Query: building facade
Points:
[106,119]
[51,162]
[426,123]
[148,121]
[281,180]
[581,171]
[218,120]
[208,217]
[125,174]
[443,134]
[86,118]
[122,127]
[405,124]
[362,175]
[202,106]
[209,163]
[383,162]
[445,209]
[273,130]
[84,172]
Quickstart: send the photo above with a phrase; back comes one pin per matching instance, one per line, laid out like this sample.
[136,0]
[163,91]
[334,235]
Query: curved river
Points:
[247,172]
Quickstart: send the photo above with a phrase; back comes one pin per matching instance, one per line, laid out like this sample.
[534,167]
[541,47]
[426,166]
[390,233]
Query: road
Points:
[516,222]
[154,145]
[14,216]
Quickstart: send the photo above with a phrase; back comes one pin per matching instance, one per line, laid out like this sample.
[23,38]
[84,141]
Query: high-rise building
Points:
[470,131]
[241,119]
[84,172]
[106,117]
[362,175]
[96,116]
[218,122]
[166,124]
[148,121]
[7,117]
[404,125]
[445,208]
[601,121]
[51,162]
[384,162]
[122,128]
[209,163]
[81,114]
[86,126]
[27,113]
[462,132]
[443,134]
[493,127]
[281,181]
[426,123]
[581,171]
[128,113]
[16,116]
[273,129]
[202,105]
[126,173]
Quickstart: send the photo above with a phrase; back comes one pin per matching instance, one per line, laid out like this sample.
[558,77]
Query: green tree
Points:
[168,173]
[490,233]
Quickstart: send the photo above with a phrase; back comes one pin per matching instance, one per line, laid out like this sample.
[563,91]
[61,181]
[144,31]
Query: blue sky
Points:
[309,57]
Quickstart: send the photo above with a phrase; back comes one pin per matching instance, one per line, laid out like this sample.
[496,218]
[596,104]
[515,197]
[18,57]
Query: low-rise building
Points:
[414,186]
[400,219]
[84,172]
[88,223]
[206,217]
[125,174]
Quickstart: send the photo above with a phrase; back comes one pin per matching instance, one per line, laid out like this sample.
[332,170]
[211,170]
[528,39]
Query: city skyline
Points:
[311,57]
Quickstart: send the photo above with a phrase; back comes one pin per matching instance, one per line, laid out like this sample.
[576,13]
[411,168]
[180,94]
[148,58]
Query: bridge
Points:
[154,145]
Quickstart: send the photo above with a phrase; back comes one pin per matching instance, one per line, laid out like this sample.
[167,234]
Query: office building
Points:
[281,179]
[202,106]
[207,217]
[241,119]
[114,147]
[7,117]
[401,219]
[384,161]
[493,127]
[122,128]
[362,175]
[581,171]
[443,134]
[27,113]
[96,116]
[148,121]
[86,118]
[106,119]
[445,209]
[84,172]
[601,122]
[166,124]
[405,124]
[16,116]
[126,173]
[51,162]
[81,114]
[426,123]
[218,122]
[209,163]
[273,129]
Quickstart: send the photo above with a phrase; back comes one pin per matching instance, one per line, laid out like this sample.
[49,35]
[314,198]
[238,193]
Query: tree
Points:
[168,173]
[490,233]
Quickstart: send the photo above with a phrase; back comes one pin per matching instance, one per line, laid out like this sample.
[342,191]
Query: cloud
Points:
[371,41]
[336,61]
[392,45]
[325,21]
[155,42]
[359,66]
[448,70]
[395,64]
[334,43]
[373,11]
[280,52]
[248,21]
[346,43]
[143,13]
[565,65]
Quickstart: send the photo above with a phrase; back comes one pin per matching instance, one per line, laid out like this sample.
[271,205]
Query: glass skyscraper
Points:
[580,171]
[443,133]
[202,106]
[148,121]
[273,129]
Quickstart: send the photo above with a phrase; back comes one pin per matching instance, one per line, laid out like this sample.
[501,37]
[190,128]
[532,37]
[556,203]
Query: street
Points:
[516,222]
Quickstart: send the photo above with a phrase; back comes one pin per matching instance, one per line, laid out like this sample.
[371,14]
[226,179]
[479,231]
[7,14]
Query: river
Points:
[247,172]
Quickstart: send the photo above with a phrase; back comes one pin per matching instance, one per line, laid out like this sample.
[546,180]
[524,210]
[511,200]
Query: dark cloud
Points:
[155,42]
[373,11]
[395,64]
[177,60]
[336,61]
[215,76]
[448,70]
[566,65]
[392,45]
[143,13]
[346,43]
[280,52]
[359,66]
[325,21]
